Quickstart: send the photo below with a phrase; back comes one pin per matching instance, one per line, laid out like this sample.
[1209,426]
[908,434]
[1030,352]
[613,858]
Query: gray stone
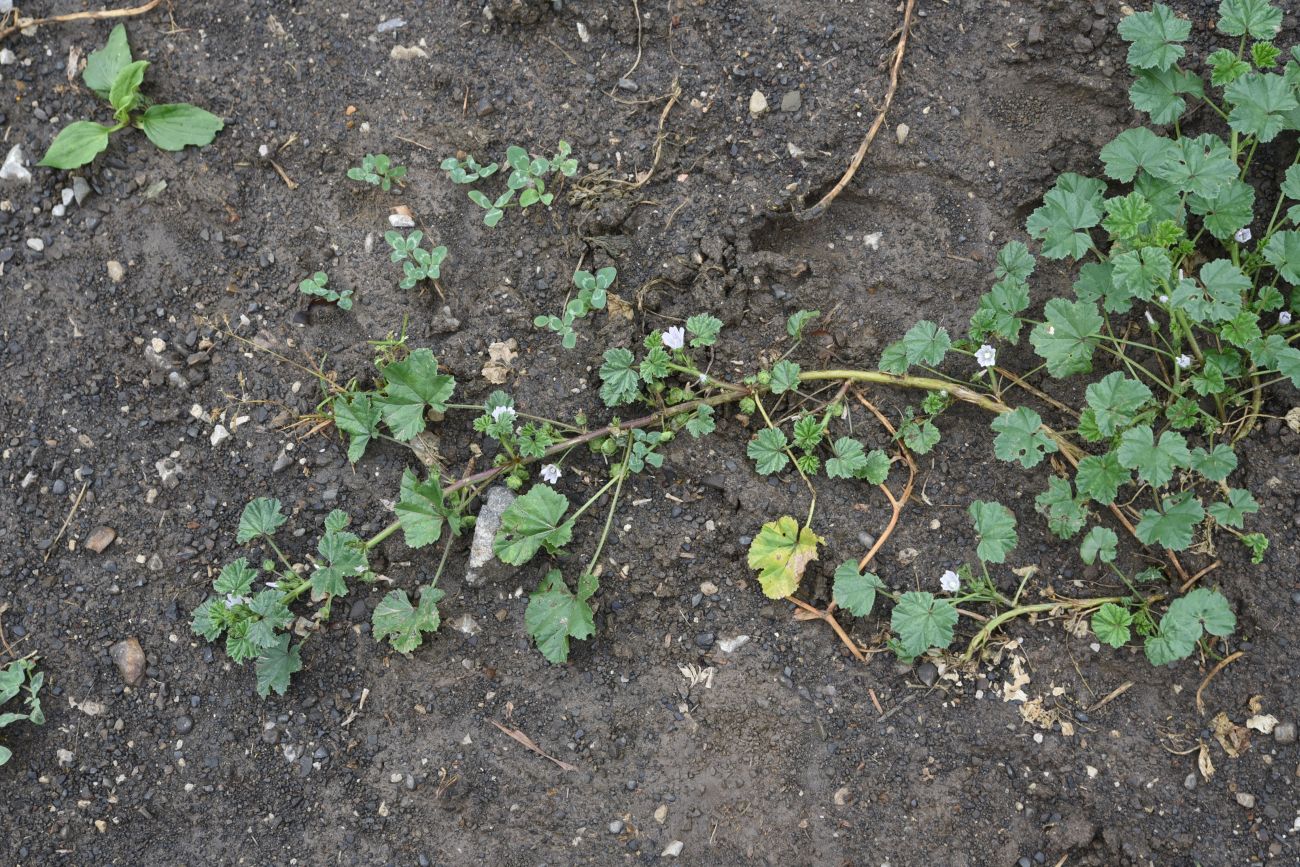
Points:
[791,101]
[498,499]
[1246,800]
[1284,733]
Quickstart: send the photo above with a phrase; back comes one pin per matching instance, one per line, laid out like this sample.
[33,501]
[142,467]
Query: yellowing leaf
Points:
[781,552]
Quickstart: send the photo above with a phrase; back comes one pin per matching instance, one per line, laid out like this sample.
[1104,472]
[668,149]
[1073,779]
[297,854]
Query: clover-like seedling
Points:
[528,177]
[466,170]
[378,170]
[113,75]
[417,263]
[316,285]
[592,295]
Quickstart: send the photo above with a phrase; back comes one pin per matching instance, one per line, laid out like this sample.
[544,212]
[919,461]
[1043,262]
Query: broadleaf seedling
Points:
[114,76]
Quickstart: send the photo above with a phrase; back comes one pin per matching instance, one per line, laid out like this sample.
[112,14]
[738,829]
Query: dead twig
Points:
[1223,663]
[1198,576]
[1112,695]
[76,504]
[820,208]
[288,181]
[24,23]
[530,744]
[815,613]
[636,9]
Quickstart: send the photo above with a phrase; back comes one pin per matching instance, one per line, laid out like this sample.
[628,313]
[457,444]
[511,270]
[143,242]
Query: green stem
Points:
[613,504]
[988,629]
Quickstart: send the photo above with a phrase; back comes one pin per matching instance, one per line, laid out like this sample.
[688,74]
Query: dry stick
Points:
[24,23]
[636,9]
[1198,576]
[66,521]
[820,208]
[818,614]
[1223,663]
[674,93]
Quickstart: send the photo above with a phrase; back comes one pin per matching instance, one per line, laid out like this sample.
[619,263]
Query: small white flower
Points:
[1284,318]
[1180,274]
[703,379]
[506,412]
[1151,320]
[675,337]
[1051,329]
[986,355]
[1184,361]
[950,581]
[1242,235]
[1164,299]
[232,600]
[550,474]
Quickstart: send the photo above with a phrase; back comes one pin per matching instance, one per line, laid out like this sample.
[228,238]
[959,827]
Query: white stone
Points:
[14,168]
[116,272]
[400,221]
[403,52]
[219,435]
[757,103]
[901,133]
[36,244]
[58,210]
[67,195]
[80,189]
[7,57]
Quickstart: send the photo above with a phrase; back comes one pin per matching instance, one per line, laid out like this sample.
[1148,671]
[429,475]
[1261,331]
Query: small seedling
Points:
[112,74]
[315,285]
[528,179]
[16,676]
[417,263]
[378,170]
[592,295]
[466,170]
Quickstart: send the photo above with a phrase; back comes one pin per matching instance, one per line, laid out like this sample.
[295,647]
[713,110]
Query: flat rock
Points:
[792,101]
[757,103]
[128,655]
[498,499]
[100,538]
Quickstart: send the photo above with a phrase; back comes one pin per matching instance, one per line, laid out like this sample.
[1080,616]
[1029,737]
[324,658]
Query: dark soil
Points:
[373,758]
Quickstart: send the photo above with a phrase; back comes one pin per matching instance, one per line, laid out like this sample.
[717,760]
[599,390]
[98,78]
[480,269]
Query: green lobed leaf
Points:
[701,422]
[704,329]
[276,665]
[1257,18]
[621,382]
[781,553]
[1066,514]
[1215,464]
[1111,625]
[1069,209]
[420,509]
[177,126]
[767,450]
[1101,476]
[555,614]
[530,523]
[1134,149]
[411,387]
[1225,67]
[1233,511]
[999,309]
[404,624]
[343,557]
[1259,105]
[1200,165]
[1232,209]
[1021,437]
[785,377]
[1015,261]
[236,578]
[919,435]
[261,517]
[922,621]
[1155,460]
[1067,338]
[926,343]
[1100,543]
[1173,526]
[1115,400]
[996,528]
[853,590]
[1160,92]
[799,321]
[1283,252]
[1154,37]
[357,417]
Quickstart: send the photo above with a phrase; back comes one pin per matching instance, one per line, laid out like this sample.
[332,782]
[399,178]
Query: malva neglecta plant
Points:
[18,676]
[113,75]
[1178,322]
